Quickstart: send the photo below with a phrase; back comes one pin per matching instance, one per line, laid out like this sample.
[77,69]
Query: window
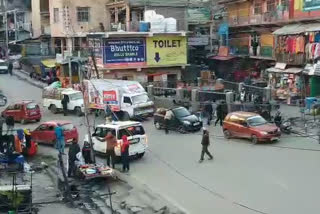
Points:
[83,14]
[257,7]
[127,100]
[42,127]
[31,106]
[271,5]
[102,132]
[67,127]
[131,131]
[256,121]
[55,15]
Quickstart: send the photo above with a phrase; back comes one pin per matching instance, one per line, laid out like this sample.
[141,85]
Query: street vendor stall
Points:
[286,82]
[91,171]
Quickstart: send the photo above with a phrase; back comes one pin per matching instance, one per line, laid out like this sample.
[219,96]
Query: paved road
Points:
[279,178]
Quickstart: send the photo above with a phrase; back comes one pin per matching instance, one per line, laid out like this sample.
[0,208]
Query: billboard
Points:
[166,50]
[110,97]
[124,52]
[311,5]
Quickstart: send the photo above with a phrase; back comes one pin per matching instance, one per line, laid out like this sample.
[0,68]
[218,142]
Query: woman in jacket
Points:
[125,153]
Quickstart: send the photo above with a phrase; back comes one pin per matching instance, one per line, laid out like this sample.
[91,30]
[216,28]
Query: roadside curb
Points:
[24,77]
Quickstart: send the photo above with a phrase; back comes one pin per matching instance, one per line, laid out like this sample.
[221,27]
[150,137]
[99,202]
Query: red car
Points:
[249,125]
[45,133]
[23,111]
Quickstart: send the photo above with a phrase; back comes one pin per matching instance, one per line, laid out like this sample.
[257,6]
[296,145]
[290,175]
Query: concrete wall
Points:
[36,18]
[75,28]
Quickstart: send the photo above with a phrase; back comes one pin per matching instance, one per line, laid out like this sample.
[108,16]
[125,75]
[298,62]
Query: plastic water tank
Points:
[157,24]
[149,15]
[144,26]
[170,24]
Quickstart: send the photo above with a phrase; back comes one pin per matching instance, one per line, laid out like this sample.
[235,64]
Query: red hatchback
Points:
[23,111]
[45,133]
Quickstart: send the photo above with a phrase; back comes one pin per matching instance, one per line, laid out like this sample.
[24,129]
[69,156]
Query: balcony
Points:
[270,17]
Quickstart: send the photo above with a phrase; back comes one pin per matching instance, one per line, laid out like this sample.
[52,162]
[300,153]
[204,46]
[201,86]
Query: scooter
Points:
[285,126]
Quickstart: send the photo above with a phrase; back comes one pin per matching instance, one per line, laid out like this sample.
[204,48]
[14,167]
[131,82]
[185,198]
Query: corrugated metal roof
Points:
[293,70]
[172,3]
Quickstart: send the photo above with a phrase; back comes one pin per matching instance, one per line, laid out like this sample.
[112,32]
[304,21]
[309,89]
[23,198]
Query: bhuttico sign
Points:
[166,50]
[125,52]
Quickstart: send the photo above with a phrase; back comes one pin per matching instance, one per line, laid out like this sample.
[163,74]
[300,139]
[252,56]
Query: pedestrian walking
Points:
[111,144]
[205,142]
[219,114]
[10,68]
[74,149]
[64,103]
[10,125]
[60,143]
[208,110]
[167,117]
[125,153]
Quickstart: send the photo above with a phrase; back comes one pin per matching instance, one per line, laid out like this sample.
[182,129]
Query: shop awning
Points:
[49,63]
[293,70]
[290,29]
[222,58]
[297,29]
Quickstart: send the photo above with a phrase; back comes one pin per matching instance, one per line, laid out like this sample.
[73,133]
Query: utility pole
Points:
[5,22]
[70,71]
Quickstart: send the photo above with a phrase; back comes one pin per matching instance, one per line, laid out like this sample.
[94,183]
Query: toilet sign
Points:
[166,50]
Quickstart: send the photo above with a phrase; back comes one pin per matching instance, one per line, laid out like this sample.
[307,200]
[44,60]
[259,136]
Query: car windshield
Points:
[256,121]
[76,96]
[140,99]
[67,127]
[181,112]
[31,106]
[131,131]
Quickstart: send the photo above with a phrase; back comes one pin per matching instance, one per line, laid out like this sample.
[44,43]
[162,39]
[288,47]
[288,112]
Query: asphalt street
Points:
[277,178]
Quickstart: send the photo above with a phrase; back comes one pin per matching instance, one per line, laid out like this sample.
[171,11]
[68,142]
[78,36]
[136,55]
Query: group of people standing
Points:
[210,108]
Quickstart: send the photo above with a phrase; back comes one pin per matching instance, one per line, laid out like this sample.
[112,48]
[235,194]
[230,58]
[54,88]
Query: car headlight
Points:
[264,133]
[186,123]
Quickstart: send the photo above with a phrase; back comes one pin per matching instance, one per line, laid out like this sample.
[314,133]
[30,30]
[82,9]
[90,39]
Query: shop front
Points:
[312,74]
[287,84]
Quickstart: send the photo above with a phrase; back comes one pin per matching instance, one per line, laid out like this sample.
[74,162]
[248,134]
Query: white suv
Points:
[133,130]
[3,67]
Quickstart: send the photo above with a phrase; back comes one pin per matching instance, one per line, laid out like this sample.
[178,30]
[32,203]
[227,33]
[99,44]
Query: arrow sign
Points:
[157,57]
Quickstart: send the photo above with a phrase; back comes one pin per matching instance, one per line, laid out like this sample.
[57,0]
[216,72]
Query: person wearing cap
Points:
[111,144]
[205,144]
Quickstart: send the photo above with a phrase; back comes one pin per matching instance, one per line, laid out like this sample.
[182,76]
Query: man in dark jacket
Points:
[205,144]
[208,110]
[73,151]
[10,124]
[219,114]
[10,68]
[64,103]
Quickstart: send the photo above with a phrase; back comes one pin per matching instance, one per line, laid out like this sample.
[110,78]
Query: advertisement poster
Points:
[110,97]
[125,52]
[166,50]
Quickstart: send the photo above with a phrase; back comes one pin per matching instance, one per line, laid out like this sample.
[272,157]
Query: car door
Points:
[37,134]
[8,111]
[244,130]
[100,144]
[17,112]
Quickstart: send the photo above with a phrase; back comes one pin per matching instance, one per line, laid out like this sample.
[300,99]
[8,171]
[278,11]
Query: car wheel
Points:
[78,111]
[53,109]
[23,121]
[227,134]
[157,125]
[140,155]
[125,116]
[254,139]
[182,130]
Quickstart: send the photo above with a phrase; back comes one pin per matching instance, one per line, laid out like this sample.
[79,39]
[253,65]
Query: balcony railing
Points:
[257,19]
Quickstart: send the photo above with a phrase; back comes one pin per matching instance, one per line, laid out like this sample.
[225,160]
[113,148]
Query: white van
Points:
[134,131]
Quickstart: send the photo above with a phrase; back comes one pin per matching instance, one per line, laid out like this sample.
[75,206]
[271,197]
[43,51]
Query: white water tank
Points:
[170,24]
[157,24]
[148,15]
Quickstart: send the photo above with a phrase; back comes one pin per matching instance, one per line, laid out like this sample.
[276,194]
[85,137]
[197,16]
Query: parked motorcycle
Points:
[284,125]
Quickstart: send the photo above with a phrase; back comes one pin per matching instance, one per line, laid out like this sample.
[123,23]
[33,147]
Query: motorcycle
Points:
[285,126]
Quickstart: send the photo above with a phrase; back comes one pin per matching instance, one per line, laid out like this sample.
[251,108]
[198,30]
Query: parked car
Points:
[3,67]
[133,130]
[23,111]
[183,121]
[251,126]
[45,132]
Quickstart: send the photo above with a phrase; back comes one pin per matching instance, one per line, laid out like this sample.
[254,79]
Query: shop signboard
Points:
[125,52]
[166,50]
[311,5]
